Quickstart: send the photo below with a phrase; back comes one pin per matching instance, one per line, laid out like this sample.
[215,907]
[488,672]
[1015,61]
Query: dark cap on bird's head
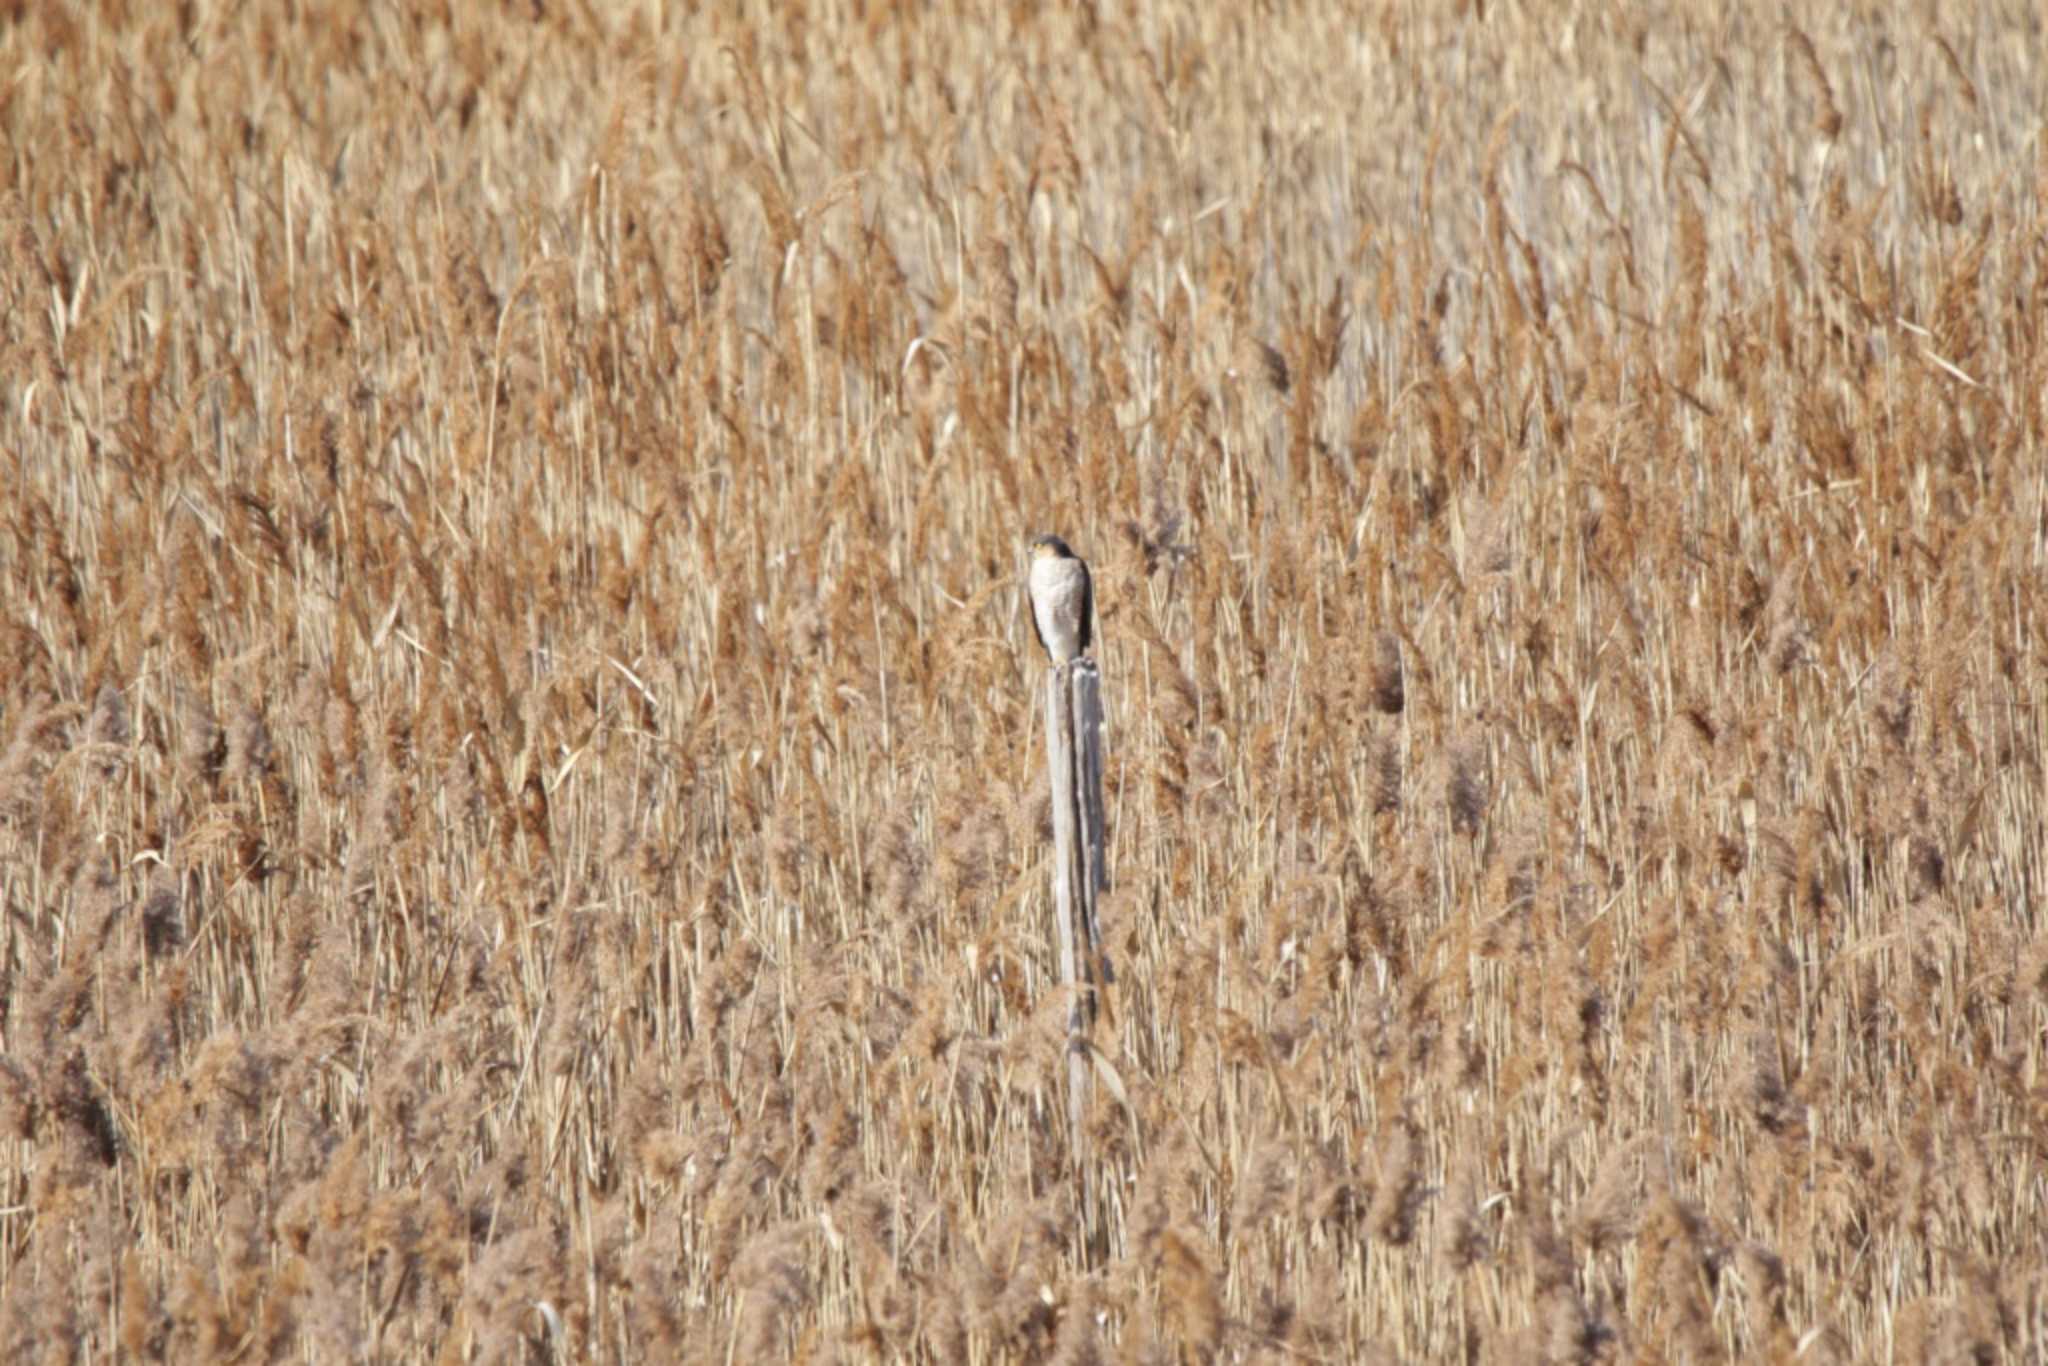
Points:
[1052,546]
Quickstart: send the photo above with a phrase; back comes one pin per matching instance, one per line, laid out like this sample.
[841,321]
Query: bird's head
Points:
[1050,548]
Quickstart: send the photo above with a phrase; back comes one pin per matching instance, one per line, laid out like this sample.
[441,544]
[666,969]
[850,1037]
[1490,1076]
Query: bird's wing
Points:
[1087,632]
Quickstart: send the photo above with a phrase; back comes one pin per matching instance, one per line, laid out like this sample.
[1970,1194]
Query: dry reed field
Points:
[523,815]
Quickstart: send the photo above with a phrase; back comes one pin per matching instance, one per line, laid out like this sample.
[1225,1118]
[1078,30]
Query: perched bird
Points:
[1062,600]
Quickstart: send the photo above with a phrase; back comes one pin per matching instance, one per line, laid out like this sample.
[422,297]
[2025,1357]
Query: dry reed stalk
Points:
[513,753]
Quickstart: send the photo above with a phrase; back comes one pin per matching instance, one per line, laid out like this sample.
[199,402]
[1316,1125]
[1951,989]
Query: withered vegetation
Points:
[522,830]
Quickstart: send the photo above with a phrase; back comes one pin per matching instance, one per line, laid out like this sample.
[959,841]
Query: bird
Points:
[1062,600]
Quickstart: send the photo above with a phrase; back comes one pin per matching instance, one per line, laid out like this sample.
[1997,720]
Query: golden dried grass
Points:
[520,819]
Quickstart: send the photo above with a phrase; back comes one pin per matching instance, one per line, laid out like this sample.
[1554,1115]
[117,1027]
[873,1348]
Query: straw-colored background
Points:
[522,823]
